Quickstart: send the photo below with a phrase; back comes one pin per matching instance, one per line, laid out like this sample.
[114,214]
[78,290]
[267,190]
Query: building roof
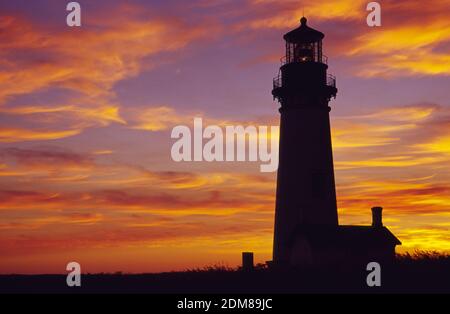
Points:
[303,34]
[346,235]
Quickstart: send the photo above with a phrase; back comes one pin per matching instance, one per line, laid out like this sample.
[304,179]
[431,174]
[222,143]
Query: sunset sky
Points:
[86,115]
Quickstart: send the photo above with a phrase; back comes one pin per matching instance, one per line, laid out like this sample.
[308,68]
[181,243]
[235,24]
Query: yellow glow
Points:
[438,145]
[10,135]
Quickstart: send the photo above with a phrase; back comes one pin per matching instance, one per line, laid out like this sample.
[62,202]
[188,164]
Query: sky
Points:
[86,115]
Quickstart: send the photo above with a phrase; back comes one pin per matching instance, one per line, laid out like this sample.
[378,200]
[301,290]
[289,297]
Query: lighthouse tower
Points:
[306,194]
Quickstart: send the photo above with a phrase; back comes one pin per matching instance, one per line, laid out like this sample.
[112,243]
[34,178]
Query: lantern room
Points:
[303,71]
[304,44]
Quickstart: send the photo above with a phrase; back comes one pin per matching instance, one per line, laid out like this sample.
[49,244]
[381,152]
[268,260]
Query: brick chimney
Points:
[377,217]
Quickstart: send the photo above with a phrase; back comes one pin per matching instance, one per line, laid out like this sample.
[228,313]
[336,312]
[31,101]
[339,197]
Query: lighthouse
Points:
[305,182]
[306,227]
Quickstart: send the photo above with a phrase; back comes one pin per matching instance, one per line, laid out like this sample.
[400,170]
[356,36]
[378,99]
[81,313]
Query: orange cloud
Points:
[126,206]
[290,12]
[407,174]
[406,44]
[10,135]
[404,50]
[158,118]
[87,62]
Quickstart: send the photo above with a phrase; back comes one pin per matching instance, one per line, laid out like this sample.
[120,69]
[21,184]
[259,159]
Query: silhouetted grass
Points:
[423,257]
[420,271]
[215,268]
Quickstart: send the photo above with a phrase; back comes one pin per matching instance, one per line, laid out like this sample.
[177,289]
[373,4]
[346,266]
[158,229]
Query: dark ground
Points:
[427,273]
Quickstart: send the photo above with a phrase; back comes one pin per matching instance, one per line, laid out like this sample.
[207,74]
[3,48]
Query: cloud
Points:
[46,165]
[157,118]
[409,42]
[85,64]
[55,156]
[440,145]
[284,14]
[10,135]
[88,61]
[126,205]
[400,125]
[401,165]
[404,50]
